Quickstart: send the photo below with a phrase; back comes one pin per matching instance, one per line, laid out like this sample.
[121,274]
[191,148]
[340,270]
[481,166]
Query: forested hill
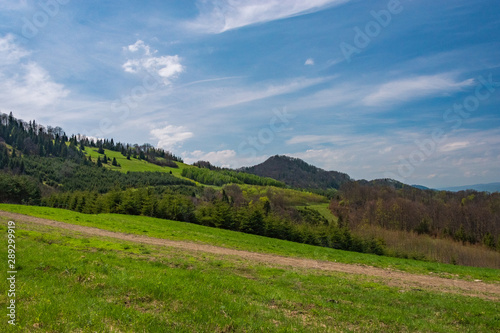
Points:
[297,173]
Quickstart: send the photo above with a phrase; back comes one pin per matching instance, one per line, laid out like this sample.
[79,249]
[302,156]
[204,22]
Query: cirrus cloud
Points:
[412,88]
[220,16]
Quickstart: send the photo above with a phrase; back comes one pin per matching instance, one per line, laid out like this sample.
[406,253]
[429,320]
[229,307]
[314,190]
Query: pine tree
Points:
[114,163]
[99,163]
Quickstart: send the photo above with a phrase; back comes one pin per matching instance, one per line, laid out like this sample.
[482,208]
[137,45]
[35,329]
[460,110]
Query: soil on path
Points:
[390,277]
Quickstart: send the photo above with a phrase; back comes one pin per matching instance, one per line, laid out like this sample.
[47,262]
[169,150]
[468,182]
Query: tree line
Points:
[209,176]
[466,216]
[34,139]
[216,209]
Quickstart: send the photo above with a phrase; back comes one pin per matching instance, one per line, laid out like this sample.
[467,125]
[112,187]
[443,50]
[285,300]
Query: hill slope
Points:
[297,173]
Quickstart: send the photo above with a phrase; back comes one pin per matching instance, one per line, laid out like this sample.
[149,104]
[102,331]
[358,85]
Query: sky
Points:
[404,89]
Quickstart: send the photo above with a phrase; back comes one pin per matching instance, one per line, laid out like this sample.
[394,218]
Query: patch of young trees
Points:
[209,176]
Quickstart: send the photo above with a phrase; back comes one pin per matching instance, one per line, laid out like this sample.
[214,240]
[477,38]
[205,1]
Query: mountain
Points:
[383,182]
[491,187]
[421,187]
[297,173]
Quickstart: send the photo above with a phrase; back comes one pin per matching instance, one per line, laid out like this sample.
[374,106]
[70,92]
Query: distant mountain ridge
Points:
[297,173]
[490,187]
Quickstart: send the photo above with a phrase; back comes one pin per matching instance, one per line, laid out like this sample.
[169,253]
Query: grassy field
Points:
[134,164]
[323,210]
[289,196]
[174,230]
[68,282]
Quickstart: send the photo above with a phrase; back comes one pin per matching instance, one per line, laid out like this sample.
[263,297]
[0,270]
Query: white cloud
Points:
[309,62]
[344,94]
[223,158]
[316,139]
[234,97]
[373,156]
[10,52]
[454,146]
[25,85]
[139,45]
[385,150]
[166,67]
[171,136]
[411,88]
[219,16]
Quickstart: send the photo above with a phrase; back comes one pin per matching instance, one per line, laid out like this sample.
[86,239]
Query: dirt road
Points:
[405,281]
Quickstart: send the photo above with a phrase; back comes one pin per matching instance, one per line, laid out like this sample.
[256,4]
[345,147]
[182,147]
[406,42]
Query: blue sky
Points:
[400,89]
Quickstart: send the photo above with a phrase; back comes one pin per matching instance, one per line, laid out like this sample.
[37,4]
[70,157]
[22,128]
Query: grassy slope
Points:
[68,282]
[323,210]
[290,196]
[196,233]
[134,164]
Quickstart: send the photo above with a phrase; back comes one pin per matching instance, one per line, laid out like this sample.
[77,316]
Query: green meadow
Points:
[183,231]
[134,164]
[70,282]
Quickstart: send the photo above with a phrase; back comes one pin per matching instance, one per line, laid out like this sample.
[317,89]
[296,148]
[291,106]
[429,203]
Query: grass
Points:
[323,210]
[68,282]
[290,197]
[195,233]
[134,164]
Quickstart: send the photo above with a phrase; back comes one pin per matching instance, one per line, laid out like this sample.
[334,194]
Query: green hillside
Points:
[110,285]
[134,164]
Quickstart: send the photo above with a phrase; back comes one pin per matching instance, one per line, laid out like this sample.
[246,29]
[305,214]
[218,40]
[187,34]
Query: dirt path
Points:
[391,277]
